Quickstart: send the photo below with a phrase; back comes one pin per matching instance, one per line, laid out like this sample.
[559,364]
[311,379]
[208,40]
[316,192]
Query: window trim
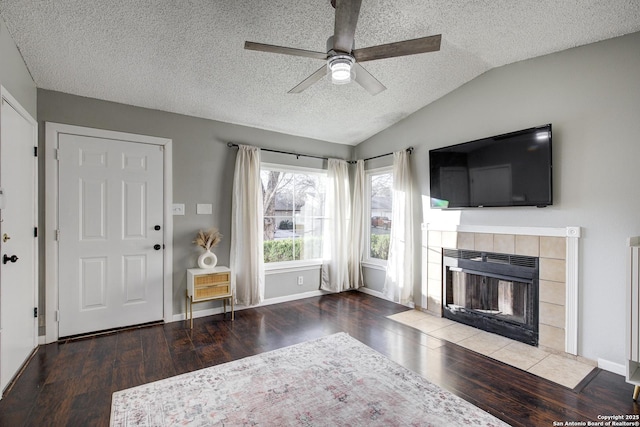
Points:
[298,264]
[367,261]
[292,266]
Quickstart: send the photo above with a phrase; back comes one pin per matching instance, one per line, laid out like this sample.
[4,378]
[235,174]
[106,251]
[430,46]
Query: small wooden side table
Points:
[208,284]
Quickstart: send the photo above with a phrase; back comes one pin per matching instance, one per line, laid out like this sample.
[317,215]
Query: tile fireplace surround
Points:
[557,249]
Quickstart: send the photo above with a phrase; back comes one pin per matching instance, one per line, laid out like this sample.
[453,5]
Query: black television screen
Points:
[513,169]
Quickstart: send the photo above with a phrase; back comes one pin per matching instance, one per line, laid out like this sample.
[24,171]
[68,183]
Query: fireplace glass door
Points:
[500,298]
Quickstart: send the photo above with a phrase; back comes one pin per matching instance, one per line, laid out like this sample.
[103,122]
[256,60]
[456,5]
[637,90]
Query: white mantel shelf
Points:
[572,235]
[524,231]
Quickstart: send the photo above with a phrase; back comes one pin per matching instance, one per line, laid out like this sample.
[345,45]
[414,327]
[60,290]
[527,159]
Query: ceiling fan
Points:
[342,60]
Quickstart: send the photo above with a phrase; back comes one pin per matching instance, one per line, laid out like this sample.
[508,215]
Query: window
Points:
[293,213]
[379,190]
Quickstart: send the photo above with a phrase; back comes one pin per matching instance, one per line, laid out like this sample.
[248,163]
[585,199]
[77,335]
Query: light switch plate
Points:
[204,209]
[178,209]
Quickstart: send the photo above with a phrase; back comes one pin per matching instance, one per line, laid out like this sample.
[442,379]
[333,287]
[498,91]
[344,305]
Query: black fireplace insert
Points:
[494,292]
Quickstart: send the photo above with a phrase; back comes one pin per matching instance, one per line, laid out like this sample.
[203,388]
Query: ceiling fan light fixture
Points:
[341,69]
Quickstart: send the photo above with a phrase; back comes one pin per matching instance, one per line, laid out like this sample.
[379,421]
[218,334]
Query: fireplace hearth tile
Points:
[520,355]
[559,369]
[422,321]
[485,343]
[455,333]
[408,317]
[430,324]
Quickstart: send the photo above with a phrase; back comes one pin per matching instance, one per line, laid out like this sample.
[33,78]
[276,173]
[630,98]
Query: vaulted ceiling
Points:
[188,57]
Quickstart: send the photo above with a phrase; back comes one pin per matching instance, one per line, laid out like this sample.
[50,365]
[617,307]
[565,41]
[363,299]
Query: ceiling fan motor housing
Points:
[331,50]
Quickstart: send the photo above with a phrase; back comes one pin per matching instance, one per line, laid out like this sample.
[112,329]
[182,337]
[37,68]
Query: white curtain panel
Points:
[247,261]
[335,266]
[398,284]
[357,227]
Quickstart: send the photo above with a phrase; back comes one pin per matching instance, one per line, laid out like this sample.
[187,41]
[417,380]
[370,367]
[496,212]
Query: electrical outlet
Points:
[300,280]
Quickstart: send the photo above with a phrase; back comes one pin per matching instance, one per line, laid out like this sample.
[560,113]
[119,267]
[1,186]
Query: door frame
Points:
[5,96]
[52,133]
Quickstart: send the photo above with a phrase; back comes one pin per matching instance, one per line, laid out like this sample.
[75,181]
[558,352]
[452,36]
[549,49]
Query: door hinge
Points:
[57,316]
[35,151]
[57,235]
[35,312]
[35,231]
[56,153]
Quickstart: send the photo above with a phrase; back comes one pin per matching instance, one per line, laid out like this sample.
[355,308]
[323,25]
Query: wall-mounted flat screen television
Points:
[513,169]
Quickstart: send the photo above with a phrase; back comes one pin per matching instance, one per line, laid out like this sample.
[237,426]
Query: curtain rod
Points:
[409,150]
[231,144]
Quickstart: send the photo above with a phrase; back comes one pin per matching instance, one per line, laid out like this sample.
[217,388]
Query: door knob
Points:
[5,237]
[6,258]
[156,247]
[157,227]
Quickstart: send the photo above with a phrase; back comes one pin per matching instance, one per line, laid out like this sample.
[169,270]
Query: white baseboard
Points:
[371,292]
[293,297]
[616,368]
[380,295]
[270,301]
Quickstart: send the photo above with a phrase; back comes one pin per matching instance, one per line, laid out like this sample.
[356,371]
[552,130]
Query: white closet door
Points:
[18,277]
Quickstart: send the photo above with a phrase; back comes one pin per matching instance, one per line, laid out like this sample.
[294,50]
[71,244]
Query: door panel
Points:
[93,210]
[93,283]
[19,217]
[110,199]
[134,208]
[134,269]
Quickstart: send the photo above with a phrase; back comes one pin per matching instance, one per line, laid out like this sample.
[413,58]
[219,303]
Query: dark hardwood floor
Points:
[70,382]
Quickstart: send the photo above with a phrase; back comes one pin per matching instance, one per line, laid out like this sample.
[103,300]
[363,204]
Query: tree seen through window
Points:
[293,214]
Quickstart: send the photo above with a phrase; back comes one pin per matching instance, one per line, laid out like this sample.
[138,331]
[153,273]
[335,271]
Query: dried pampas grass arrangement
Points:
[208,239]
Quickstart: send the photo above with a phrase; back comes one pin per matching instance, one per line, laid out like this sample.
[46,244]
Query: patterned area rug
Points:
[331,381]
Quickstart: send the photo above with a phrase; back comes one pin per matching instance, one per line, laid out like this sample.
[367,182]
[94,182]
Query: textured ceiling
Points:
[187,56]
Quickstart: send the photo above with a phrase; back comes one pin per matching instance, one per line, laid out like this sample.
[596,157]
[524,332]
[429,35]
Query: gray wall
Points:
[591,95]
[14,75]
[202,172]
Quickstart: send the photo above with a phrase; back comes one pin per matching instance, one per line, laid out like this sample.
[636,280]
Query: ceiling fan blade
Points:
[390,50]
[320,73]
[367,81]
[261,47]
[347,12]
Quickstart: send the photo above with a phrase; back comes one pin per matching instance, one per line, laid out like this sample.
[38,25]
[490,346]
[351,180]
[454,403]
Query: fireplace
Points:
[494,292]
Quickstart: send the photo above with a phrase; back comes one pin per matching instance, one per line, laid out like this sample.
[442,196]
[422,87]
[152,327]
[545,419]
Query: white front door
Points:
[18,275]
[110,210]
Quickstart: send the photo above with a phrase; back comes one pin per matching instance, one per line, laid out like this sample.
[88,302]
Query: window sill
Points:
[374,265]
[292,266]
